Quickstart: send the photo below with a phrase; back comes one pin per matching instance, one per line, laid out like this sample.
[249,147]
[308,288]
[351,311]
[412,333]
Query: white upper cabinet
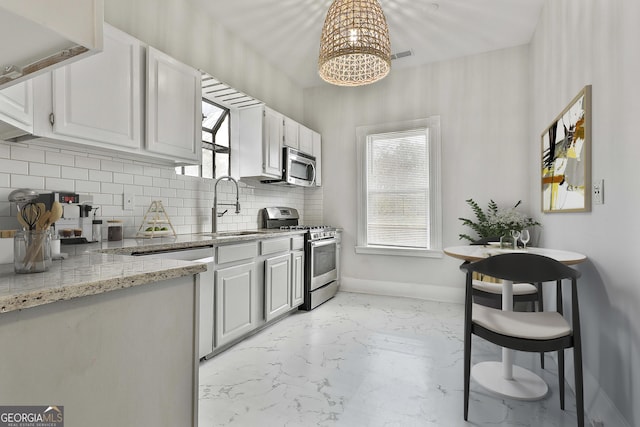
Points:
[174,108]
[99,99]
[16,110]
[305,140]
[291,134]
[260,143]
[40,35]
[317,152]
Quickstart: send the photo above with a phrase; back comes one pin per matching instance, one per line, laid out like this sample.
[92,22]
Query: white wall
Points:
[580,42]
[483,104]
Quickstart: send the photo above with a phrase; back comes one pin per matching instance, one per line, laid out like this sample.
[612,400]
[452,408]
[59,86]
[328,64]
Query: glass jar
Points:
[114,230]
[507,242]
[96,230]
[32,251]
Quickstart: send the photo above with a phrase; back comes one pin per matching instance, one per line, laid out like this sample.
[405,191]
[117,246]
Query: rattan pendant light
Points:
[354,48]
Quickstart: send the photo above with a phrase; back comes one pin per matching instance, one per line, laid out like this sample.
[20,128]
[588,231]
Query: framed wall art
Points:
[566,158]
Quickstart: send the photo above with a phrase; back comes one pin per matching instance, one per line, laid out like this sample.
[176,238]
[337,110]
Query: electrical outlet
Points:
[598,192]
[128,201]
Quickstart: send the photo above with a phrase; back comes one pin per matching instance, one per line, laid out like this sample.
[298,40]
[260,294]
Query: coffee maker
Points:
[75,224]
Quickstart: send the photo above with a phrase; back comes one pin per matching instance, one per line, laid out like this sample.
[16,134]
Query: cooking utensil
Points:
[30,214]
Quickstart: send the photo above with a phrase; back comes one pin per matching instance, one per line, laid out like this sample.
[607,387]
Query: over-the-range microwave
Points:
[297,169]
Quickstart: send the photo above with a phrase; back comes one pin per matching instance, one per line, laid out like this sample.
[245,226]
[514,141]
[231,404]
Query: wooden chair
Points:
[525,331]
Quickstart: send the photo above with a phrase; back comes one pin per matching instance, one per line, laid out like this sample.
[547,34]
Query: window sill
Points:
[393,251]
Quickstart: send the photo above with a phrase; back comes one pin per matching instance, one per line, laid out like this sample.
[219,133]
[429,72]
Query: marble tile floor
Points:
[365,360]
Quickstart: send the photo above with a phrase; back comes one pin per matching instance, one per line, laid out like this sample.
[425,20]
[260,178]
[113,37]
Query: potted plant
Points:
[495,221]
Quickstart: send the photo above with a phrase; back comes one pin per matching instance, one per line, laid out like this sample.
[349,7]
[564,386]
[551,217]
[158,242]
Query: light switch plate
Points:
[598,192]
[128,201]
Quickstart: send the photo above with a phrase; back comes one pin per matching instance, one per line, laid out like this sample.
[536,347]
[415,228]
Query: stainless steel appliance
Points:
[76,209]
[321,255]
[298,168]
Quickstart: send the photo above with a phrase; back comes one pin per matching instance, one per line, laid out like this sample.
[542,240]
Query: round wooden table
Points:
[504,378]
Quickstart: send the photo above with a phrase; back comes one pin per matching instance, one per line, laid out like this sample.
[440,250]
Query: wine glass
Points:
[516,235]
[525,237]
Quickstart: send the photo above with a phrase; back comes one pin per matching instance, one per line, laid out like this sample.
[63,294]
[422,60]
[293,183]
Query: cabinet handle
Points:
[52,119]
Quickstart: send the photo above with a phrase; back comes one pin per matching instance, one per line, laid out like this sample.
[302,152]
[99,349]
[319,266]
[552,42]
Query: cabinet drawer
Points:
[239,252]
[297,243]
[275,245]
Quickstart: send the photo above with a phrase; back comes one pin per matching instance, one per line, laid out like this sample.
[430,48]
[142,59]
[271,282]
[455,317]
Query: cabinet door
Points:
[236,295]
[174,108]
[99,99]
[291,134]
[16,106]
[277,285]
[272,142]
[297,278]
[306,140]
[317,152]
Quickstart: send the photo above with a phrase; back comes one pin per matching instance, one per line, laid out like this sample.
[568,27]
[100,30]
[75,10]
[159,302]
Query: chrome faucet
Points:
[214,210]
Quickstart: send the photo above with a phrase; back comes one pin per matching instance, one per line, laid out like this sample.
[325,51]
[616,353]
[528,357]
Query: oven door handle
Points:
[324,242]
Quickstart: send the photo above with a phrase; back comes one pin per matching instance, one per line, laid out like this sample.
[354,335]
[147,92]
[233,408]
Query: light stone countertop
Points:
[96,268]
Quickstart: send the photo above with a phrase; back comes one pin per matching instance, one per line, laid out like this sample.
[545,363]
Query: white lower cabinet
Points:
[277,286]
[297,278]
[236,296]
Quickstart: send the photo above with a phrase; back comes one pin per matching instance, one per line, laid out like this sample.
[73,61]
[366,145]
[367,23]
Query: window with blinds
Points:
[399,207]
[397,189]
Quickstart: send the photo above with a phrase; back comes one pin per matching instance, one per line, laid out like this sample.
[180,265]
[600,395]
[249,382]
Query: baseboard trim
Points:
[424,291]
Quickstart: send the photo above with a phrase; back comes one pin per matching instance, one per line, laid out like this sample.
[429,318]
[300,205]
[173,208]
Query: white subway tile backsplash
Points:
[58,184]
[74,173]
[23,152]
[87,187]
[5,149]
[62,159]
[14,166]
[41,169]
[133,169]
[100,176]
[27,181]
[87,162]
[188,200]
[108,187]
[143,180]
[151,171]
[123,178]
[111,166]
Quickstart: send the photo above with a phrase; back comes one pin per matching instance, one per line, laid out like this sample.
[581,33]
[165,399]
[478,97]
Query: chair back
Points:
[522,267]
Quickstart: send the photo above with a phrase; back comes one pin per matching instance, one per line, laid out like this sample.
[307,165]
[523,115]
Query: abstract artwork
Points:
[566,159]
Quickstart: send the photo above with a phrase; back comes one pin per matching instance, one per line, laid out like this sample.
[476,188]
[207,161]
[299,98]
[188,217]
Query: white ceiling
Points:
[287,32]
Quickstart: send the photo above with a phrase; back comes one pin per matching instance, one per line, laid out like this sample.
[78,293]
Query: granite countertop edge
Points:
[55,285]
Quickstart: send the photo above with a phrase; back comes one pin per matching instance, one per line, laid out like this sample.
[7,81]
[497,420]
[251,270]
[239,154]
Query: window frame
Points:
[435,188]
[212,146]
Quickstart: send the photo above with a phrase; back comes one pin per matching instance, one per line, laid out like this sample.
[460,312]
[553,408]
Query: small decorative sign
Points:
[32,416]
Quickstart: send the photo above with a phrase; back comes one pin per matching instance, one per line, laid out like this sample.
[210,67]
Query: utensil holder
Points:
[32,251]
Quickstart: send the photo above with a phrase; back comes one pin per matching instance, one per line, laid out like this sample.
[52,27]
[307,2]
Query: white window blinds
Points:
[397,189]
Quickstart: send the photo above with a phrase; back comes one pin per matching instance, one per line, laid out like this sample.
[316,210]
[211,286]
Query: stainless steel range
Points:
[320,252]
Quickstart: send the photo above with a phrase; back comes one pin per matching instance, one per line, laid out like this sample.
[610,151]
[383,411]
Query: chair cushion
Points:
[529,325]
[496,288]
